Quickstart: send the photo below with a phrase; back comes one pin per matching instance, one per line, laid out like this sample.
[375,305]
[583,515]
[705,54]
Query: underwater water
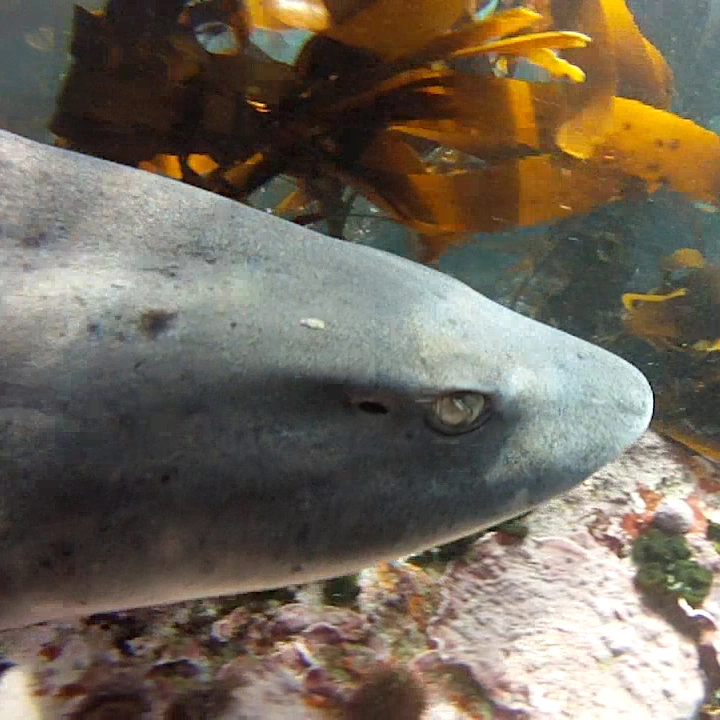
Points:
[561,158]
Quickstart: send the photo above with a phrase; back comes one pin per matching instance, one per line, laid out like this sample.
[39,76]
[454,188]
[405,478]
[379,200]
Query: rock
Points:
[674,517]
[525,620]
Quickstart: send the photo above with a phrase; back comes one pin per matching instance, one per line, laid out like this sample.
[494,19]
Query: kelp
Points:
[681,320]
[145,102]
[663,150]
[374,90]
[684,313]
[686,409]
[571,274]
[619,63]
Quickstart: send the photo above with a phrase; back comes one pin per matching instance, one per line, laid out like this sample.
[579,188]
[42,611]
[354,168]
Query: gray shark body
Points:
[197,398]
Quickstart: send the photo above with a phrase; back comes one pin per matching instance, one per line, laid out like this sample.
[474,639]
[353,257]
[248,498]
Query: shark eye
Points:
[457,412]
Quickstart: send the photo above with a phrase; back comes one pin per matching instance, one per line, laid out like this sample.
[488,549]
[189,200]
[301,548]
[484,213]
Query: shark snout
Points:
[612,402]
[582,408]
[561,407]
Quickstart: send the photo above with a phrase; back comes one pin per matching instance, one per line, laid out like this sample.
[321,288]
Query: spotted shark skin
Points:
[197,398]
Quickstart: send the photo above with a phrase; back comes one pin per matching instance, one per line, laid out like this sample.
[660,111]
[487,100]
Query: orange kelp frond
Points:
[178,168]
[478,33]
[491,35]
[335,109]
[538,48]
[378,88]
[685,312]
[682,259]
[492,118]
[682,432]
[312,15]
[522,44]
[555,65]
[618,62]
[686,409]
[389,29]
[656,317]
[630,301]
[663,150]
[337,104]
[443,208]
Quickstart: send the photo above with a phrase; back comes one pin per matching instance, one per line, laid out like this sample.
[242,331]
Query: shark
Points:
[198,398]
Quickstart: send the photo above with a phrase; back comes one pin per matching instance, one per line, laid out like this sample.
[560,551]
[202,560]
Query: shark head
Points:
[197,398]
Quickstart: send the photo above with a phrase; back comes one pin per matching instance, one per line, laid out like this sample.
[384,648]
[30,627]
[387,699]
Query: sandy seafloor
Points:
[551,626]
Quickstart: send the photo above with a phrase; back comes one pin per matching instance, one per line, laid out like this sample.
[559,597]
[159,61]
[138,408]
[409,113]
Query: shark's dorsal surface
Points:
[197,398]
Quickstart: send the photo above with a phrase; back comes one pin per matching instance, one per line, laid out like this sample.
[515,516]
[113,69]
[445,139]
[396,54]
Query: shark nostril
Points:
[372,407]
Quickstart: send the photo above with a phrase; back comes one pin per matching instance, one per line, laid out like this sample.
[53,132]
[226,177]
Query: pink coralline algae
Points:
[555,629]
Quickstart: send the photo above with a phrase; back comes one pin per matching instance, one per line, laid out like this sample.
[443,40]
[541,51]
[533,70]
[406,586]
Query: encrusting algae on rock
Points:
[666,568]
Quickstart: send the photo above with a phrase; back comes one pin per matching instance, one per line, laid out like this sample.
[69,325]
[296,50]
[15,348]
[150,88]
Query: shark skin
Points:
[197,398]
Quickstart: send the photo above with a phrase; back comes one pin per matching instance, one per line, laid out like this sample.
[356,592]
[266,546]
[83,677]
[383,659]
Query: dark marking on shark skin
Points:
[153,323]
[35,239]
[239,424]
